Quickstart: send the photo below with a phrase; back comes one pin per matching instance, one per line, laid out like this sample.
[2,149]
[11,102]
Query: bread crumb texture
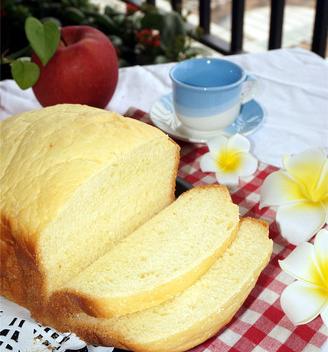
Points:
[162,257]
[75,180]
[46,155]
[197,313]
[82,223]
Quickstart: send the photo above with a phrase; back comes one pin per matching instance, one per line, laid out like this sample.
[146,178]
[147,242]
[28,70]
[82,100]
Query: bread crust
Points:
[53,136]
[22,279]
[176,169]
[104,332]
[117,306]
[182,341]
[11,276]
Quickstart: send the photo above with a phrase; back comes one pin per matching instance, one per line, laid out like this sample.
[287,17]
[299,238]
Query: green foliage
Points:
[74,15]
[25,73]
[15,12]
[143,35]
[43,37]
[152,20]
[172,28]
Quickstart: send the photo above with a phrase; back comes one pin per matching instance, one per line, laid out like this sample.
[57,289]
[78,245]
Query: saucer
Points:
[163,116]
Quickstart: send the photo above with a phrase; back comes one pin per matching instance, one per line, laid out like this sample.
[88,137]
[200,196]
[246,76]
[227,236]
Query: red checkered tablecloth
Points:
[260,324]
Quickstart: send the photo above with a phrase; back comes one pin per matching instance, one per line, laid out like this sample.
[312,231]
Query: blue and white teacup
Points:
[208,92]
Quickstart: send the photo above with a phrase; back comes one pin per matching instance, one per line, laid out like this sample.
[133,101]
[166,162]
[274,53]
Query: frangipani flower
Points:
[229,159]
[306,298]
[301,194]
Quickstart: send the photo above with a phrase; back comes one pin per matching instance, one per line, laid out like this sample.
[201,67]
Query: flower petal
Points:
[248,165]
[322,185]
[299,222]
[239,142]
[321,244]
[216,144]
[324,316]
[321,252]
[227,179]
[306,167]
[302,302]
[279,189]
[207,163]
[299,263]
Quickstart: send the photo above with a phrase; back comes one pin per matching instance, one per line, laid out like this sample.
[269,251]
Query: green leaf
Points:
[74,15]
[172,27]
[152,20]
[25,73]
[44,38]
[53,19]
[106,22]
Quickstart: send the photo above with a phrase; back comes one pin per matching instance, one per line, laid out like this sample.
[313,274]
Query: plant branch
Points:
[19,53]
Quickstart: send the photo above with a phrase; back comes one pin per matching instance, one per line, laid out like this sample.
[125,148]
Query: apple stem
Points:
[63,41]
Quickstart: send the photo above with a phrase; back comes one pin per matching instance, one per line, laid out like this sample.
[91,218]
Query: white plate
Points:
[162,116]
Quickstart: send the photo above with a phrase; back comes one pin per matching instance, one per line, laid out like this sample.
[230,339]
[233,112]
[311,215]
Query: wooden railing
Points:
[319,38]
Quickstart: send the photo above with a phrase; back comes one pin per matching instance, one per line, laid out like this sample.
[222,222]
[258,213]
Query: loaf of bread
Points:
[161,258]
[90,243]
[193,316]
[74,181]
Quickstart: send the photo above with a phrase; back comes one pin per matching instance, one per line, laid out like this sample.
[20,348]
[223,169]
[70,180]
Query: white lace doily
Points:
[20,333]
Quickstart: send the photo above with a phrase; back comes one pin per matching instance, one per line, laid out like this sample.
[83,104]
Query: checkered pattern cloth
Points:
[260,324]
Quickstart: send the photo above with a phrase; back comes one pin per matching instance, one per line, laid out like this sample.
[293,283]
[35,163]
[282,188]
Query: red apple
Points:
[84,69]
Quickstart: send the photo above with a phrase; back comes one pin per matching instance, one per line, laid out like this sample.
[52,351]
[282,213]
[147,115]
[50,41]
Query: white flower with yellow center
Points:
[300,193]
[229,159]
[306,298]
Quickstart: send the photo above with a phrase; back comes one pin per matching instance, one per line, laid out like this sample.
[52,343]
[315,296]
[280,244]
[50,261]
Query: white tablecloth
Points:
[293,90]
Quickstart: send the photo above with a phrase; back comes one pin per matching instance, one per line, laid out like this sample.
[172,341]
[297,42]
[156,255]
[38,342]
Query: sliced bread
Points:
[74,181]
[161,258]
[192,317]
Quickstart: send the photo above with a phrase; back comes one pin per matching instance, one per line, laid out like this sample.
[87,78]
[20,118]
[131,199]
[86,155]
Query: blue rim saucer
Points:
[162,116]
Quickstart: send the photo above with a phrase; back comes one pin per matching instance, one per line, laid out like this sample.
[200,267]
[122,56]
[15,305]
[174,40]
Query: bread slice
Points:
[74,181]
[192,317]
[162,257]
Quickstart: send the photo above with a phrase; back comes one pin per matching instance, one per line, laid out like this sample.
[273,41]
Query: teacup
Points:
[208,92]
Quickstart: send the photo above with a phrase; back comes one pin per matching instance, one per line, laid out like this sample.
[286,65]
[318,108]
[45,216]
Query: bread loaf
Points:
[161,258]
[74,181]
[192,317]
